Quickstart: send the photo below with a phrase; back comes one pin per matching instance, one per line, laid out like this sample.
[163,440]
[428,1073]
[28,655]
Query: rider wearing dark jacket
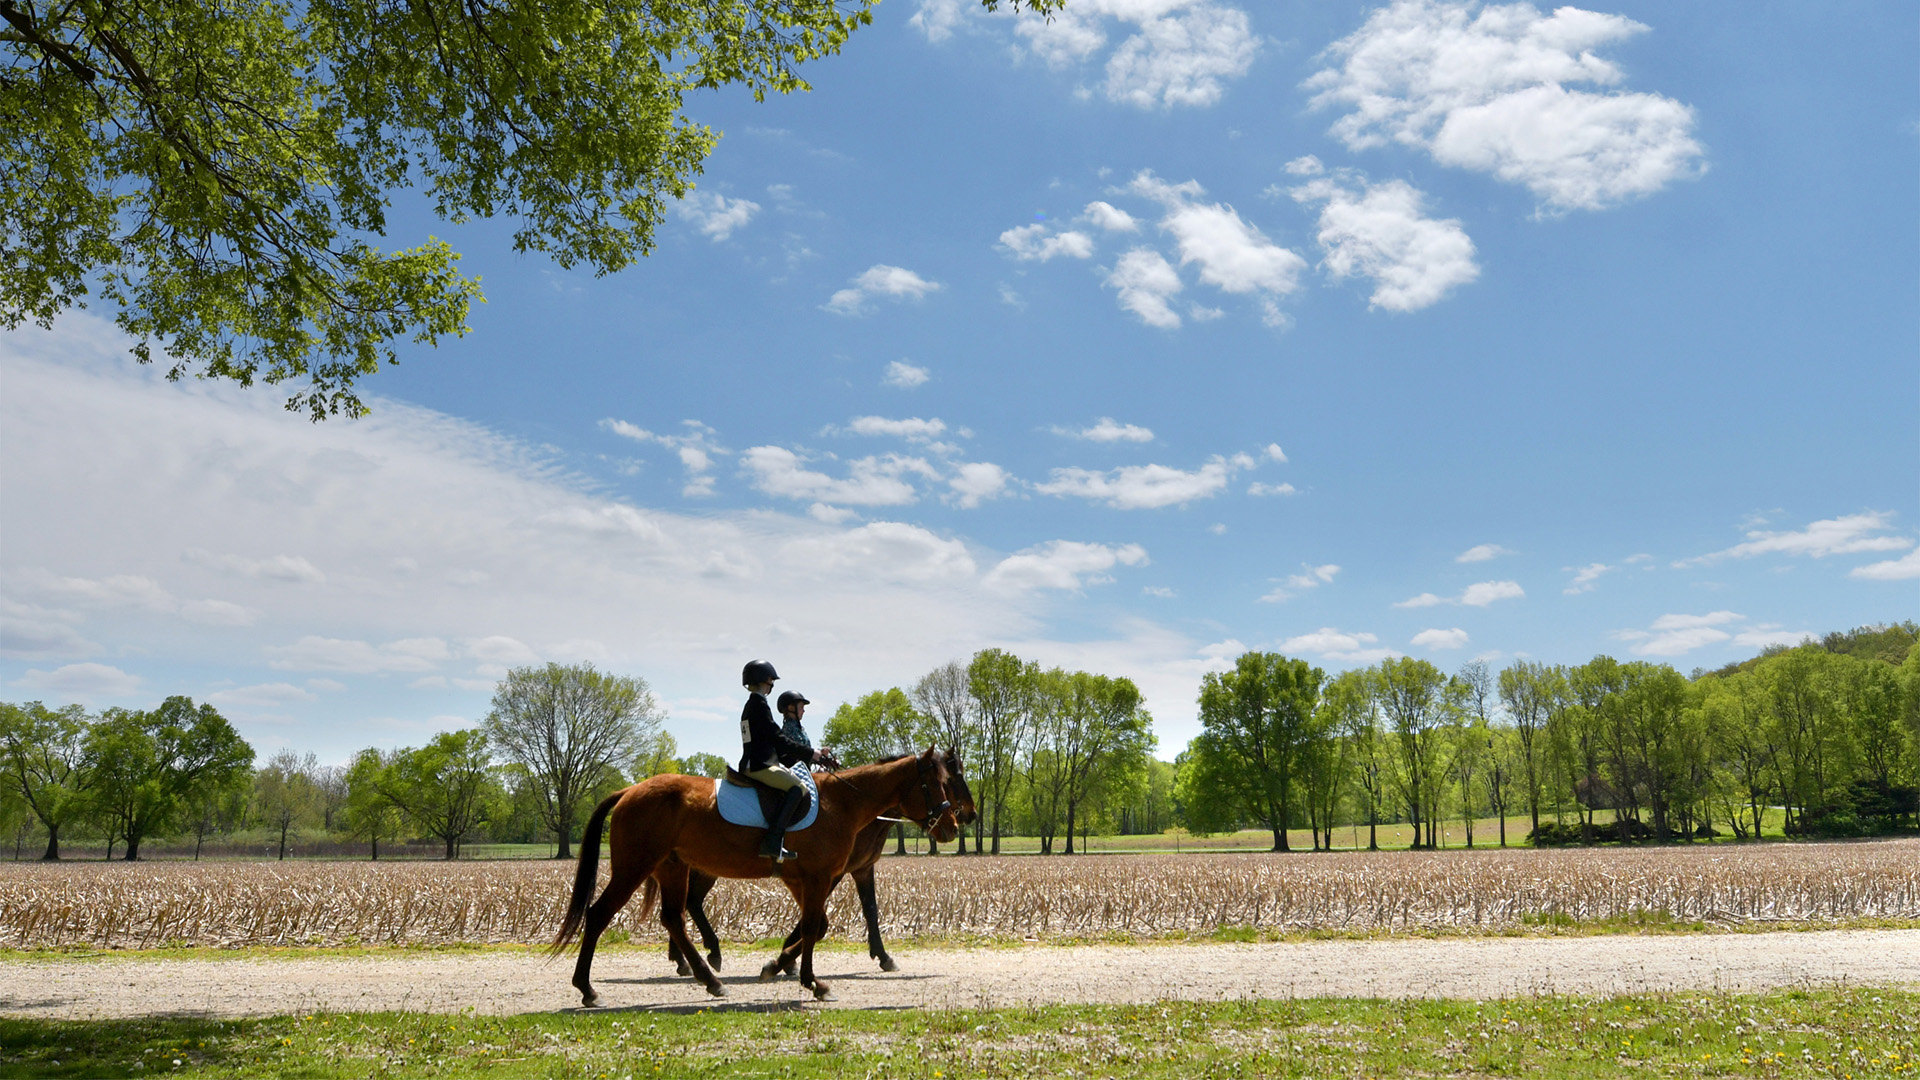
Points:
[763,745]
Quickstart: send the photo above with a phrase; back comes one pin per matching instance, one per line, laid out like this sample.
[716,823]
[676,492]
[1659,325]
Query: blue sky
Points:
[1129,342]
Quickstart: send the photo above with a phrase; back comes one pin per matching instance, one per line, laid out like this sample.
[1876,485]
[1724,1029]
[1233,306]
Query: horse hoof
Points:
[770,972]
[887,964]
[716,989]
[821,993]
[713,960]
[684,969]
[588,1001]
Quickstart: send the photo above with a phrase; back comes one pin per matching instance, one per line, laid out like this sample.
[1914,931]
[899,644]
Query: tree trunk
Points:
[1070,811]
[53,845]
[133,850]
[376,848]
[283,842]
[1373,837]
[564,819]
[900,839]
[449,840]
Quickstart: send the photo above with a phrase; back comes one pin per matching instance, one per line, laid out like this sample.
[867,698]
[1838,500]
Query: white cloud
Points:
[1180,59]
[1481,553]
[1485,88]
[1479,594]
[1381,232]
[1676,635]
[1768,635]
[1145,281]
[1584,578]
[218,613]
[912,429]
[1259,488]
[975,482]
[1483,593]
[1904,568]
[1274,453]
[879,280]
[1108,430]
[262,695]
[890,550]
[1032,242]
[1160,591]
[696,450]
[1455,638]
[83,681]
[1109,217]
[871,481]
[1314,577]
[715,214]
[1062,564]
[1141,487]
[1352,648]
[905,376]
[316,653]
[938,19]
[289,568]
[1233,256]
[1846,535]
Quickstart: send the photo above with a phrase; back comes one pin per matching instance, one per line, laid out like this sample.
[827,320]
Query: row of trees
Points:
[555,738]
[1048,753]
[1828,732]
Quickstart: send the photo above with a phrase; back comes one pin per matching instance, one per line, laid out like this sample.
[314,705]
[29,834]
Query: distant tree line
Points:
[1048,753]
[1828,733]
[555,739]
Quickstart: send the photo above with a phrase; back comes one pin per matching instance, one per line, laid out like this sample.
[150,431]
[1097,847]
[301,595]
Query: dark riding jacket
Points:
[763,743]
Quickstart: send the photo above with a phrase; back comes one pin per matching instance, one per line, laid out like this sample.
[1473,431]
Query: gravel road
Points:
[512,982]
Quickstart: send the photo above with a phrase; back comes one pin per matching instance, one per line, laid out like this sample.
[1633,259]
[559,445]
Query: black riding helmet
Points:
[757,672]
[789,698]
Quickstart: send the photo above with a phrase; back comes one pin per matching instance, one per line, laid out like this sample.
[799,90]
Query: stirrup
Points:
[784,856]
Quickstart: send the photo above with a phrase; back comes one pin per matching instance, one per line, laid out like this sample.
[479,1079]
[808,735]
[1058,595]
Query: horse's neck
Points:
[872,793]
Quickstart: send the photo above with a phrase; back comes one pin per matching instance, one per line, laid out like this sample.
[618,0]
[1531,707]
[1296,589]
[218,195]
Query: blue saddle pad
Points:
[741,806]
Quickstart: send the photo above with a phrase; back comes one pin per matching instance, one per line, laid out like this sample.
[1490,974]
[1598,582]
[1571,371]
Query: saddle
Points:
[772,797]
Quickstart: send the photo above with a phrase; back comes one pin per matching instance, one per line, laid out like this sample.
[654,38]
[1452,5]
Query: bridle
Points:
[926,797]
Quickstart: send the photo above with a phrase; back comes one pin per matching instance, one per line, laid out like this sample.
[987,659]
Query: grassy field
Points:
[1143,896]
[1855,1034]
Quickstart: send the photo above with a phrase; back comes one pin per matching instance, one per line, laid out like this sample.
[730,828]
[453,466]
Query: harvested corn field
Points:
[335,903]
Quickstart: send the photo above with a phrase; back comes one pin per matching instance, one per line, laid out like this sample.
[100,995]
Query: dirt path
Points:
[516,982]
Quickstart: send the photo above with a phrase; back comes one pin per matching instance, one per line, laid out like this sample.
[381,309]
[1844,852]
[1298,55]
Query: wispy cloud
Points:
[1479,594]
[905,376]
[1481,553]
[880,280]
[1845,535]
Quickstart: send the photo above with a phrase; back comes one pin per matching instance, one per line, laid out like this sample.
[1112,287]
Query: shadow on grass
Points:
[129,1047]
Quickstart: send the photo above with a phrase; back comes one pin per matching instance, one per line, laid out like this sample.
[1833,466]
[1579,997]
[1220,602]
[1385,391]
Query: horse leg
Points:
[624,880]
[698,886]
[813,927]
[790,948]
[870,907]
[673,910]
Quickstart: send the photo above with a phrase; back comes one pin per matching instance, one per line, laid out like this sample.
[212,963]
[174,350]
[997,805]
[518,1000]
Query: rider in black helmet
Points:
[763,748]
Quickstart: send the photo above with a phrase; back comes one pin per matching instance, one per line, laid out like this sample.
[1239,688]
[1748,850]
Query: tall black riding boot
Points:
[770,845]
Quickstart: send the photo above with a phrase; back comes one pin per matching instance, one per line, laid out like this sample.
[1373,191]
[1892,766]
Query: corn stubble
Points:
[346,903]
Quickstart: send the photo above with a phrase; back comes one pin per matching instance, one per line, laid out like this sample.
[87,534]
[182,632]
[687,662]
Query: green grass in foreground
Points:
[1857,1033]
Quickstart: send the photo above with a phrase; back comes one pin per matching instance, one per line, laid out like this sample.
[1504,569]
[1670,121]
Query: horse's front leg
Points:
[813,927]
[870,907]
[698,886]
[790,949]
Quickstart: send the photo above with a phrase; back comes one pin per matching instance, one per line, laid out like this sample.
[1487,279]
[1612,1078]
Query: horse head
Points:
[965,812]
[935,813]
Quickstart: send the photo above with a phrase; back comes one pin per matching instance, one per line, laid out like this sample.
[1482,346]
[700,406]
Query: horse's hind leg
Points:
[813,927]
[870,907]
[698,886]
[620,886]
[673,910]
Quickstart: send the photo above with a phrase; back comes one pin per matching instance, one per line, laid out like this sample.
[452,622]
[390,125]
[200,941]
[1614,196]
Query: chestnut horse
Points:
[663,827]
[868,847]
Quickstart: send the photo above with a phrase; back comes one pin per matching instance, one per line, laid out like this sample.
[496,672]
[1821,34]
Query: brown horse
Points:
[665,826]
[868,847]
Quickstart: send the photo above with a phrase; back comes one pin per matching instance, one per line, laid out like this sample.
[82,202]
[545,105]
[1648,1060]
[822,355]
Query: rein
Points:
[926,798]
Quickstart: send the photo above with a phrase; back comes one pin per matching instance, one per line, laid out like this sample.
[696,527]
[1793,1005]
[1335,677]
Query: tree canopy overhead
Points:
[220,173]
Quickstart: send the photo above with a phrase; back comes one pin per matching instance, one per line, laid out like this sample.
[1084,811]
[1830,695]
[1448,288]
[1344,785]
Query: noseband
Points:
[926,797]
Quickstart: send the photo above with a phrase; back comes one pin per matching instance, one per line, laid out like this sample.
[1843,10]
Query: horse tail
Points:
[649,896]
[585,877]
